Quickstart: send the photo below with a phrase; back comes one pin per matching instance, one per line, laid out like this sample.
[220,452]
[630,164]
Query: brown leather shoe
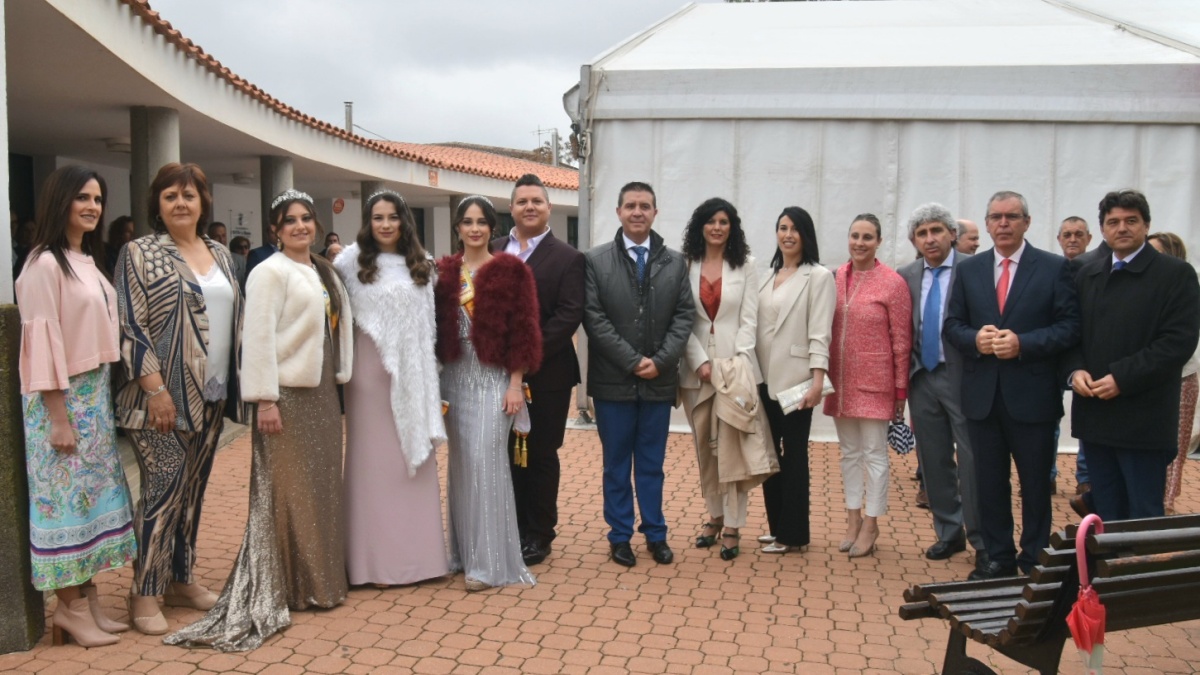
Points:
[1083,488]
[1079,506]
[922,499]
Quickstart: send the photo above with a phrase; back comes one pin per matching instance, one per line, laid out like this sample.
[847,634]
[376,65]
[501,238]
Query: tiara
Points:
[480,198]
[376,195]
[290,195]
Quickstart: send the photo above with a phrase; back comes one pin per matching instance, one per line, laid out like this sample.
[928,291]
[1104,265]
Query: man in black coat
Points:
[558,272]
[1141,321]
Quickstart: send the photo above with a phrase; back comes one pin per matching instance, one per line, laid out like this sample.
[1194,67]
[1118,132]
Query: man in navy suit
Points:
[935,386]
[1013,313]
[1140,326]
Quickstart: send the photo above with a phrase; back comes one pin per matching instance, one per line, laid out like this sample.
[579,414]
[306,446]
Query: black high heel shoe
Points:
[707,540]
[731,552]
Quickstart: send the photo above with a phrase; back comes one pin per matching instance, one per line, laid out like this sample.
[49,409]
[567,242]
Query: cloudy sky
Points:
[478,71]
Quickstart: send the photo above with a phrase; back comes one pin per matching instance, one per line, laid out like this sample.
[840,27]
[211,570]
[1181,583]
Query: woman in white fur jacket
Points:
[295,348]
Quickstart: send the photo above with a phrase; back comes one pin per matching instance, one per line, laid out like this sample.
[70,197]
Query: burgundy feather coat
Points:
[505,329]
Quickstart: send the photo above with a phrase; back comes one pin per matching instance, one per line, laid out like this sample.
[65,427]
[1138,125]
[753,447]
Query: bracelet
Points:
[262,409]
[155,392]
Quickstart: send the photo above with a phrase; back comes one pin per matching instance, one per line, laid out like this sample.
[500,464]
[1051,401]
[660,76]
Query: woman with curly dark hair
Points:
[488,339]
[719,360]
[394,532]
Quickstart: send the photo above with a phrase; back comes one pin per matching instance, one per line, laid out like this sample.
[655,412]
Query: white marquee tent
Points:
[846,107]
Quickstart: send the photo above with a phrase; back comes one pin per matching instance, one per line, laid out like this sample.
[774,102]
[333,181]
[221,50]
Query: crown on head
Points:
[376,195]
[291,195]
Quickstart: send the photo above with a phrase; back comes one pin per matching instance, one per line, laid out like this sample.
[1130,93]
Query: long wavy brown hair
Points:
[324,268]
[420,267]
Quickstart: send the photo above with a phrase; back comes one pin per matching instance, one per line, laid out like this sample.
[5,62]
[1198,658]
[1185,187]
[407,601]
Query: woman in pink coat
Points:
[868,366]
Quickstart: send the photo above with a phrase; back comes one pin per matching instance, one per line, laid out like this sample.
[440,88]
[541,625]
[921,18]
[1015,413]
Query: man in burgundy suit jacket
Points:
[558,271]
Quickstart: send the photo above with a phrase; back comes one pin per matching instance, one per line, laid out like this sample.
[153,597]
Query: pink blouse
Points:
[872,336]
[68,325]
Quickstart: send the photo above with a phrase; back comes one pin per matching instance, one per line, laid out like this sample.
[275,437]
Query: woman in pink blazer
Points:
[868,365]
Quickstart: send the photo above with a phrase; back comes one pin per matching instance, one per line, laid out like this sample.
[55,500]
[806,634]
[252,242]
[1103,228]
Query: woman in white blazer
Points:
[795,322]
[296,346]
[725,286]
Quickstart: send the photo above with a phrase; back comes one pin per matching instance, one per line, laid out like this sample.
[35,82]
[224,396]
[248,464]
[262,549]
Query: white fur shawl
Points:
[398,316]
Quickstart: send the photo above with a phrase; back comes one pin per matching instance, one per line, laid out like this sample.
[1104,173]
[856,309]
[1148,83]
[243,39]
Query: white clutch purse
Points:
[789,399]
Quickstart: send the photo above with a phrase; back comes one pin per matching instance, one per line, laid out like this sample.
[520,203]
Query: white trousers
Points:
[864,463]
[732,505]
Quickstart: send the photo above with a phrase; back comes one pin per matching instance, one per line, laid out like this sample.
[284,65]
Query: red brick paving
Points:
[816,612]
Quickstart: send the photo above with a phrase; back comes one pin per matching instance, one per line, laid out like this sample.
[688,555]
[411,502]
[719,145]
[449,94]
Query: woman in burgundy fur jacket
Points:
[488,338]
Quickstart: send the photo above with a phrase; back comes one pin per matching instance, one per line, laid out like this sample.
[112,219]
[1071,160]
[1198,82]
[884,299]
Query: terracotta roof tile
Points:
[455,159]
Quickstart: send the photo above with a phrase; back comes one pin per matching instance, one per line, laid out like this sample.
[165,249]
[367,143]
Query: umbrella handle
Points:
[1081,544]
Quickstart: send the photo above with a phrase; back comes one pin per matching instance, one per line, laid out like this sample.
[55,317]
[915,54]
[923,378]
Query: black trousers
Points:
[786,493]
[999,441]
[535,486]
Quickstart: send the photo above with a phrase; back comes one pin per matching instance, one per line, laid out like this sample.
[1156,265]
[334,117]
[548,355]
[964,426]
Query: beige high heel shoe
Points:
[73,619]
[189,595]
[103,621]
[147,623]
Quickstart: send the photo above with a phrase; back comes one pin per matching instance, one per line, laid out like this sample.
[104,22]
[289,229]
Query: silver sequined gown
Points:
[293,552]
[483,515]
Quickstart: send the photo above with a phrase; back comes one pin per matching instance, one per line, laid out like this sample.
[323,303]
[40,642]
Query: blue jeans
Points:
[634,437]
[1127,483]
[1081,472]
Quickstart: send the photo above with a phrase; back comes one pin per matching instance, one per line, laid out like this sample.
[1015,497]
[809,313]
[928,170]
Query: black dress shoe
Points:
[981,559]
[535,552]
[944,549]
[993,570]
[660,552]
[622,554]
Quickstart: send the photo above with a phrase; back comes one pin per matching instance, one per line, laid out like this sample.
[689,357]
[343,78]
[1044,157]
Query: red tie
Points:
[1002,285]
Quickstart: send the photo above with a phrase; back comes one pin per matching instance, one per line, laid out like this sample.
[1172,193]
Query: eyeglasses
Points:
[1010,217]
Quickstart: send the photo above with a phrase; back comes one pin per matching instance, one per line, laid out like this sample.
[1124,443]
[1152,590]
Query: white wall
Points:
[237,206]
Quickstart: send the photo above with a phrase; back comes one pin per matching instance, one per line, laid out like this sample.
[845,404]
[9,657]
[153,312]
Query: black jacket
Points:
[626,321]
[1140,325]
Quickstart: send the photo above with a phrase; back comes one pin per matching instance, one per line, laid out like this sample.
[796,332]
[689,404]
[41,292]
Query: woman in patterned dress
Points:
[488,338]
[80,518]
[181,326]
[868,365]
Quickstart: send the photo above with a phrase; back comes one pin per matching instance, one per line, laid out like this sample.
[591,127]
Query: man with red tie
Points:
[1012,313]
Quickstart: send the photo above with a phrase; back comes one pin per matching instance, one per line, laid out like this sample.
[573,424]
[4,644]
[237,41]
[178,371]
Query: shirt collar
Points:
[1131,256]
[629,243]
[948,262]
[1015,257]
[533,241]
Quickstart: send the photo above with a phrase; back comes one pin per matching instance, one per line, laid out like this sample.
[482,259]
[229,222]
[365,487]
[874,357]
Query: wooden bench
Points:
[1146,572]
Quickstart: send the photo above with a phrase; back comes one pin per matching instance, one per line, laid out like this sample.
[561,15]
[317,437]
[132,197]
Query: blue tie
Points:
[641,263]
[1119,265]
[931,323]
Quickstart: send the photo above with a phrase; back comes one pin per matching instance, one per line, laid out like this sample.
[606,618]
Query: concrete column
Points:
[22,621]
[437,229]
[276,176]
[154,141]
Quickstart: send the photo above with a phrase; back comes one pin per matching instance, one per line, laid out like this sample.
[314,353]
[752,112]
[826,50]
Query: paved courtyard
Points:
[815,612]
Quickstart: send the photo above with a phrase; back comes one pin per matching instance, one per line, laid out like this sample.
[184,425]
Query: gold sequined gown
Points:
[293,553]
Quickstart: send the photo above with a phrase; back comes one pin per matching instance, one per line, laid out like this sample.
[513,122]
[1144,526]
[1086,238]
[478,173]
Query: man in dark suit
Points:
[935,384]
[1012,314]
[1140,325]
[558,272]
[261,253]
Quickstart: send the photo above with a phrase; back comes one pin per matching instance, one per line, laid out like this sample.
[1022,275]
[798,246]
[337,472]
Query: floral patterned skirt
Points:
[80,520]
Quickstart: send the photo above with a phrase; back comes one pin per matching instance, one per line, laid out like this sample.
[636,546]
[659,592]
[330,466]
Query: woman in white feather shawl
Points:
[393,408]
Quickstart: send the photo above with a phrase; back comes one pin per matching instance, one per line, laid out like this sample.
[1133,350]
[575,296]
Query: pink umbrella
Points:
[1087,617]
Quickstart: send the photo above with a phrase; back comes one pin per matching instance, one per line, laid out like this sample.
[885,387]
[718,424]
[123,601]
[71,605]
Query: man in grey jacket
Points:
[638,316]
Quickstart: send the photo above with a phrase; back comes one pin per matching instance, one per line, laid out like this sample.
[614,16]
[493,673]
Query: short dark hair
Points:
[637,186]
[174,174]
[119,223]
[1124,199]
[736,248]
[214,225]
[527,180]
[237,242]
[810,252]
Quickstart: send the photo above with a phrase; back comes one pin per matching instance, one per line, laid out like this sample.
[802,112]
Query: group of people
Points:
[476,349]
[194,348]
